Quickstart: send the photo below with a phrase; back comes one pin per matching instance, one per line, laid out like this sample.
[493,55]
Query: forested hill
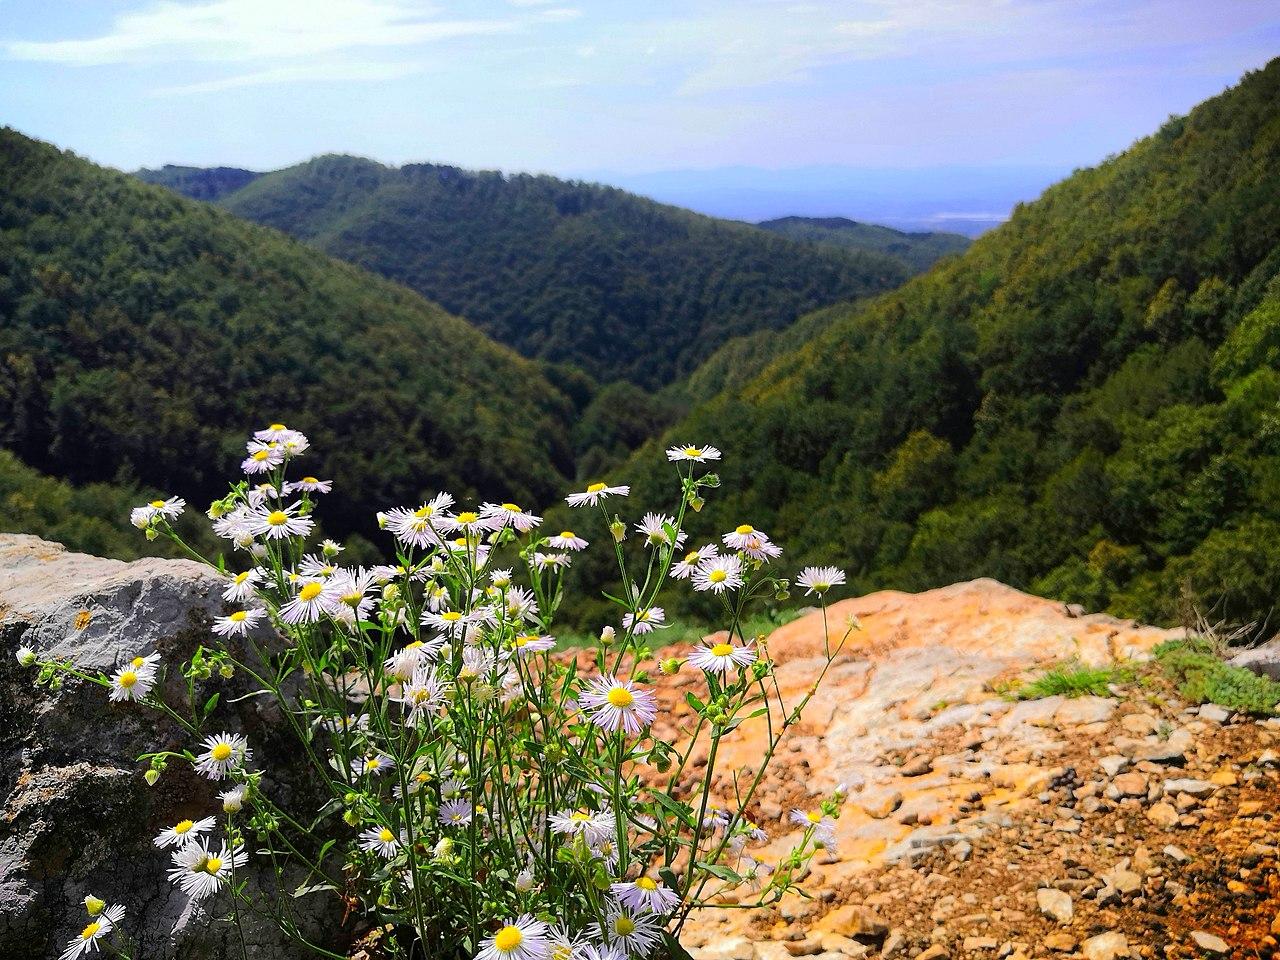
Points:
[198,183]
[1085,402]
[618,285]
[918,250]
[142,335]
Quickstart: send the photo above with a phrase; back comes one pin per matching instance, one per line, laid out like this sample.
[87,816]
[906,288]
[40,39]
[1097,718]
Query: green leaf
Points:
[679,810]
[694,702]
[719,870]
[673,948]
[305,889]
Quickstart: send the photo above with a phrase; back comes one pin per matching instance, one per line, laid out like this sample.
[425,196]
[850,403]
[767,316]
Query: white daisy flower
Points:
[820,579]
[233,799]
[645,621]
[527,644]
[629,930]
[455,813]
[424,695]
[616,704]
[477,664]
[278,524]
[593,951]
[165,509]
[273,433]
[420,527]
[262,458]
[199,871]
[379,765]
[134,680]
[567,540]
[521,939]
[99,927]
[468,521]
[310,485]
[741,536]
[594,828]
[761,548]
[295,444]
[654,527]
[260,493]
[222,754]
[520,604]
[236,525]
[381,841]
[184,831]
[26,657]
[349,595]
[502,514]
[238,624]
[646,895]
[696,454]
[453,788]
[718,574]
[242,585]
[406,660]
[501,578]
[721,657]
[316,567]
[552,561]
[308,605]
[684,569]
[453,622]
[594,493]
[824,828]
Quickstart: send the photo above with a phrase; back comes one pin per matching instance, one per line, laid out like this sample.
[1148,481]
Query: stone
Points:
[1132,784]
[1264,660]
[935,952]
[917,766]
[974,944]
[1139,724]
[1210,943]
[1194,787]
[1062,942]
[1125,881]
[804,947]
[1106,946]
[1083,710]
[1113,764]
[835,943]
[1163,815]
[1175,854]
[726,948]
[853,921]
[893,944]
[880,806]
[1213,713]
[1055,904]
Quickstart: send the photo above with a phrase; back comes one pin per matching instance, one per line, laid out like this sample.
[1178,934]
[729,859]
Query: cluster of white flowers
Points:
[453,738]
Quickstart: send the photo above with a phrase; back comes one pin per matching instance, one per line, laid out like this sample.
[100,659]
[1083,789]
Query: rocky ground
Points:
[1132,825]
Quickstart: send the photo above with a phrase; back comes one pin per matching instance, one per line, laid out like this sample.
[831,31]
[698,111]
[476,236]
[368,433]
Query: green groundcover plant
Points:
[482,797]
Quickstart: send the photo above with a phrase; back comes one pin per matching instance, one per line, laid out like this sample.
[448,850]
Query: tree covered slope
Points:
[918,250]
[620,286]
[1084,403]
[142,335]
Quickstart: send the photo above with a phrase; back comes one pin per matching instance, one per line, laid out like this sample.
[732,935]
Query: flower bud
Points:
[151,776]
[26,657]
[152,533]
[697,503]
[619,530]
[351,799]
[671,666]
[524,880]
[382,520]
[216,509]
[330,548]
[607,636]
[352,817]
[93,906]
[226,671]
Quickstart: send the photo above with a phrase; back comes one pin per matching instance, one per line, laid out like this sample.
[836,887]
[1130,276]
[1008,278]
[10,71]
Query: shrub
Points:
[1076,680]
[1202,677]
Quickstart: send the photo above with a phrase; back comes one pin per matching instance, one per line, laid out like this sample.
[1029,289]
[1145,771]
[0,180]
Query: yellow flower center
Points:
[128,679]
[238,616]
[814,816]
[745,529]
[277,518]
[183,826]
[310,480]
[261,455]
[310,592]
[423,778]
[157,504]
[523,640]
[213,865]
[221,752]
[508,939]
[567,535]
[691,556]
[624,926]
[137,662]
[276,427]
[511,508]
[717,576]
[721,650]
[90,930]
[468,516]
[644,883]
[385,835]
[242,577]
[620,697]
[596,487]
[423,512]
[373,764]
[451,615]
[693,451]
[580,815]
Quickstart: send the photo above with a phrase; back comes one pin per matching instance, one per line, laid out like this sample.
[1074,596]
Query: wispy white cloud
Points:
[344,72]
[246,30]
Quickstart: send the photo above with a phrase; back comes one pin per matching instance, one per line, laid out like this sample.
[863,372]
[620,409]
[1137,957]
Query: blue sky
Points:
[618,88]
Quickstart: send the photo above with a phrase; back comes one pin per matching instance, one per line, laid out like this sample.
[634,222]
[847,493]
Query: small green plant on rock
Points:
[1202,677]
[1074,679]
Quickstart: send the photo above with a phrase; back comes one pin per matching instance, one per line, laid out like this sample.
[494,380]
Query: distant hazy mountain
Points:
[968,200]
[615,284]
[199,183]
[919,250]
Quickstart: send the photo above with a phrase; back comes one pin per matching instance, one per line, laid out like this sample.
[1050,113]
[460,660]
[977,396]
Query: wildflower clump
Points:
[483,798]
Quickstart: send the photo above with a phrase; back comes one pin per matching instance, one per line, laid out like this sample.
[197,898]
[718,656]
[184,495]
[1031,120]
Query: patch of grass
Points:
[1202,677]
[1074,679]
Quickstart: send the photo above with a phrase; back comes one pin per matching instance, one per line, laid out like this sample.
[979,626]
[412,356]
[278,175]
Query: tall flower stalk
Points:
[482,795]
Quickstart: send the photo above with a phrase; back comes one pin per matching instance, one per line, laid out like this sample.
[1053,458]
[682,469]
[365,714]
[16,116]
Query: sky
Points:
[629,92]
